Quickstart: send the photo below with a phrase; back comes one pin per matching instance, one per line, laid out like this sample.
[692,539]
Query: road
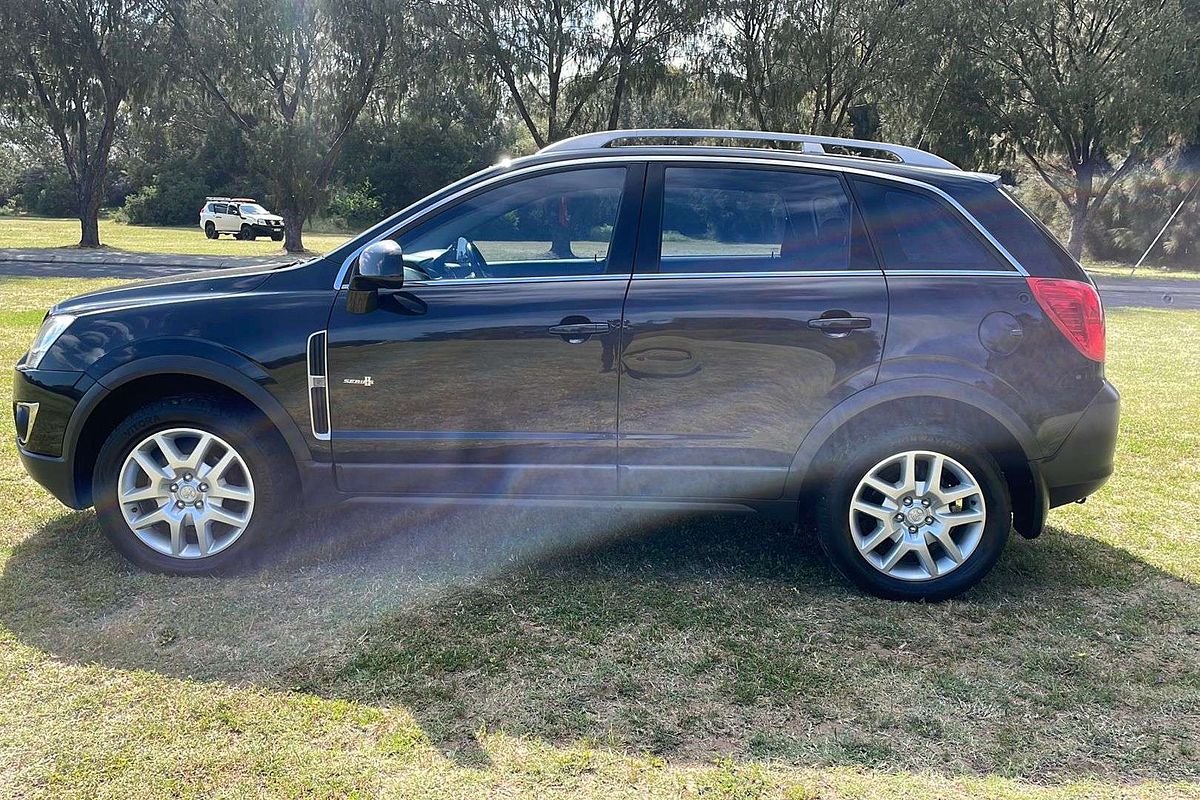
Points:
[1149,292]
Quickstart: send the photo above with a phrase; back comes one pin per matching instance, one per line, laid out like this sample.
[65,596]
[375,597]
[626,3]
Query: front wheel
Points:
[247,234]
[189,485]
[277,237]
[915,517]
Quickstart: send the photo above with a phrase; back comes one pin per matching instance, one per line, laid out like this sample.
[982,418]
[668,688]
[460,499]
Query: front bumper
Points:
[43,401]
[1085,460]
[261,229]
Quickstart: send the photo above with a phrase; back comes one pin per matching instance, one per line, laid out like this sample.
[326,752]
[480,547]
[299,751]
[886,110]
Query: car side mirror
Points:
[380,265]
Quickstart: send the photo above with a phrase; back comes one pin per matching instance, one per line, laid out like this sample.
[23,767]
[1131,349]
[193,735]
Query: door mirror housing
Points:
[380,265]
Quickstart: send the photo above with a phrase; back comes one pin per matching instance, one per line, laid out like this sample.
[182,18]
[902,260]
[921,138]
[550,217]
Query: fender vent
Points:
[318,389]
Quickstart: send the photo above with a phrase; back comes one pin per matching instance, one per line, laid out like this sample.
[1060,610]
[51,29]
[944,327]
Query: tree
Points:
[804,65]
[73,66]
[294,76]
[568,65]
[1093,88]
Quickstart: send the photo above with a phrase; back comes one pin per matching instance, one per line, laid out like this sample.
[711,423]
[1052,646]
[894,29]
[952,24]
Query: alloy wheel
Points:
[917,515]
[186,493]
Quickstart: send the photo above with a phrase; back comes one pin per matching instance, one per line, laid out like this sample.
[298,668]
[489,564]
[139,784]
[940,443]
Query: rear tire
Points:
[902,541]
[202,510]
[210,230]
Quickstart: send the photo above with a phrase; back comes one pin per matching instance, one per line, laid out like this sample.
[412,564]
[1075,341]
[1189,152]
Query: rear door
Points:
[756,306]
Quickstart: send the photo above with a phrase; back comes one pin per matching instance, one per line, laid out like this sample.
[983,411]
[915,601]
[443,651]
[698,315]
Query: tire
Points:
[262,464]
[277,237]
[210,230]
[247,234]
[925,569]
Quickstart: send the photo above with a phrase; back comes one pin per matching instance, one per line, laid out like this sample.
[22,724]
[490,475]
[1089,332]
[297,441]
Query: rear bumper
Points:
[1085,460]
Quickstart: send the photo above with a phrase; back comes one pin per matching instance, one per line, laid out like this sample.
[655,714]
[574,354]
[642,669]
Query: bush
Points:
[356,208]
[174,198]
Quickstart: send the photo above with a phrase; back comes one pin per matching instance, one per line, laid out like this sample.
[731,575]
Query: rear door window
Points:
[743,219]
[913,230]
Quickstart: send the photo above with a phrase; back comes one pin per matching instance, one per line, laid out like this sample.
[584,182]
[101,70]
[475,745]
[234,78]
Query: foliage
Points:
[1137,210]
[1091,88]
[71,67]
[355,208]
[294,75]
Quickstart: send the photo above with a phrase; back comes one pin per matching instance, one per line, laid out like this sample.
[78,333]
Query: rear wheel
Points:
[188,485]
[210,230]
[914,516]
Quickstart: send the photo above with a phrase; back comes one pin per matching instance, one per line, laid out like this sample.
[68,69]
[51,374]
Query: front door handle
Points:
[839,324]
[577,332]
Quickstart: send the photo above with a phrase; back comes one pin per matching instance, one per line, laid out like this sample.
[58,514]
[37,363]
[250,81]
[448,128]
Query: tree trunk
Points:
[89,218]
[1085,175]
[1079,217]
[293,224]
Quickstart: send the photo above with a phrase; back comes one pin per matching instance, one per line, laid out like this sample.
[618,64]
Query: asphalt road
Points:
[1145,292]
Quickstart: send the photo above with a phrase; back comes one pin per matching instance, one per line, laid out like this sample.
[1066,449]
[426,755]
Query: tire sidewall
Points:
[833,515]
[237,428]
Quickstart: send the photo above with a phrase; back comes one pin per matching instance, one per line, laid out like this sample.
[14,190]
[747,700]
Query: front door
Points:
[494,370]
[756,306]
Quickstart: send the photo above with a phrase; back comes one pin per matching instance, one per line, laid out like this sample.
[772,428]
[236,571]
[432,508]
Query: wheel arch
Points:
[953,405]
[123,389]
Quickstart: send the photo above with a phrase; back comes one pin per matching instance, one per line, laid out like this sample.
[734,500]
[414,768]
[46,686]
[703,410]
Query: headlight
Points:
[52,328]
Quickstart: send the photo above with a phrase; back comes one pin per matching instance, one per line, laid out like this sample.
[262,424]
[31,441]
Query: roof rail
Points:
[809,144]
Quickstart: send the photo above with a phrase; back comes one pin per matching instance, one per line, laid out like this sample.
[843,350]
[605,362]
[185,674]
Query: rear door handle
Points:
[576,332]
[839,324]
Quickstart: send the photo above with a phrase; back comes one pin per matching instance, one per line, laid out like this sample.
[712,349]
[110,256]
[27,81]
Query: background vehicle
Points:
[888,347]
[242,217]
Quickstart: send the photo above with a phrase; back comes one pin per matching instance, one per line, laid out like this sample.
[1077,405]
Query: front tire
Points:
[914,516]
[191,485]
[247,234]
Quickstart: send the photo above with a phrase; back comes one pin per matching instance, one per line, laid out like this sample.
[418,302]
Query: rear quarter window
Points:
[914,230]
[1034,247]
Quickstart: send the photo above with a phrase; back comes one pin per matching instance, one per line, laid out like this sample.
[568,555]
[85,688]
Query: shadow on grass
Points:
[689,638]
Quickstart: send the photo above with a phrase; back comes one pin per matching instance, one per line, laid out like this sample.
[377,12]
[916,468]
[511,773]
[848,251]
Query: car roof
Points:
[751,154]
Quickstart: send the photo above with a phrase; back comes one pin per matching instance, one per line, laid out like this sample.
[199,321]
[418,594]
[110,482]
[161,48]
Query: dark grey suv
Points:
[855,334]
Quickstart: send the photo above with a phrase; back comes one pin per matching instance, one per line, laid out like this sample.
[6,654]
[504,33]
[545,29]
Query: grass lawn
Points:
[43,232]
[1113,269]
[465,653]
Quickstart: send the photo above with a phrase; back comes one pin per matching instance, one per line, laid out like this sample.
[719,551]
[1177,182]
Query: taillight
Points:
[1074,307]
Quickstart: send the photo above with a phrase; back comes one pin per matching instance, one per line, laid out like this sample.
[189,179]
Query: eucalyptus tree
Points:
[1091,89]
[74,67]
[294,75]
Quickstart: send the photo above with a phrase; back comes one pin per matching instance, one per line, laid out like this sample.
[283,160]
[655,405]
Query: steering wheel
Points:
[470,260]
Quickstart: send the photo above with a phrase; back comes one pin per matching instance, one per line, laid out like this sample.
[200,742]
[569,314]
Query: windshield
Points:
[251,208]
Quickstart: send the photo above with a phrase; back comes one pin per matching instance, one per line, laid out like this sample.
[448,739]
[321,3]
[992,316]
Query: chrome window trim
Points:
[799,273]
[624,276]
[933,273]
[339,281]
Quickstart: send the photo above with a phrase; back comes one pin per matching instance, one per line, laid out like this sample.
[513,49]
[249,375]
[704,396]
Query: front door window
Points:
[548,226]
